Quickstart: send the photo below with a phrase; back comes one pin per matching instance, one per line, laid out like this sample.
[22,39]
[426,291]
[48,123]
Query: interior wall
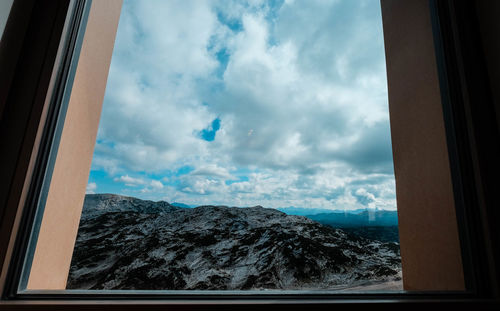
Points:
[64,204]
[430,248]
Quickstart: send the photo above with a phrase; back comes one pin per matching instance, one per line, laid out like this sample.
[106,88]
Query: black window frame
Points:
[28,55]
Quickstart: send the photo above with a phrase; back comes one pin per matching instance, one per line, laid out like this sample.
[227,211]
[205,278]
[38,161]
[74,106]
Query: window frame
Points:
[66,34]
[465,122]
[472,137]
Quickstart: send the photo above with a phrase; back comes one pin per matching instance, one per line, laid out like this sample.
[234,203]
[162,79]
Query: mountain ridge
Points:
[128,243]
[362,219]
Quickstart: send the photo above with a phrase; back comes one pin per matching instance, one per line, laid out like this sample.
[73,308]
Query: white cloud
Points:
[302,102]
[213,171]
[130,181]
[91,188]
[156,184]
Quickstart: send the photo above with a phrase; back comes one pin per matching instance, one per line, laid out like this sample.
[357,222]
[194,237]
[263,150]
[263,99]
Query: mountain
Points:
[128,243]
[363,218]
[302,211]
[381,225]
[180,205]
[98,204]
[379,233]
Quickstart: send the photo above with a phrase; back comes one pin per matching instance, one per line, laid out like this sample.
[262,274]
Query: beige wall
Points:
[60,221]
[430,247]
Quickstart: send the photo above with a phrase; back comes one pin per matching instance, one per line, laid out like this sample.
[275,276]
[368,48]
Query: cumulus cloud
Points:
[272,103]
[156,184]
[130,181]
[213,171]
[91,188]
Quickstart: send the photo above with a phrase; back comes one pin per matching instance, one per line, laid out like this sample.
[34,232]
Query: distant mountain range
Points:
[302,211]
[362,219]
[381,225]
[337,218]
[128,243]
[181,205]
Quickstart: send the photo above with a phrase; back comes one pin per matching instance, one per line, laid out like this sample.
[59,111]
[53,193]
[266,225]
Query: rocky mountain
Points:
[379,233]
[127,243]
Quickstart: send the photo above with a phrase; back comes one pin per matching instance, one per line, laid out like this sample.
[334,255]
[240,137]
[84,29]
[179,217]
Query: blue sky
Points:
[243,103]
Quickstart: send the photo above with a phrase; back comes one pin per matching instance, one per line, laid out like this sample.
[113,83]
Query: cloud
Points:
[156,184]
[130,181]
[91,187]
[273,103]
[213,171]
[202,186]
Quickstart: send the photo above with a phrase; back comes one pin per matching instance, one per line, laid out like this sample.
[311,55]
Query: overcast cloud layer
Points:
[243,103]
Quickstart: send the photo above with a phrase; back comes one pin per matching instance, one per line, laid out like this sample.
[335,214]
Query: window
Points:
[256,105]
[465,217]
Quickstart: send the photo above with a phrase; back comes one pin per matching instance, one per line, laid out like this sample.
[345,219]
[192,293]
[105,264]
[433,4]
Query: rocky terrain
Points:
[127,243]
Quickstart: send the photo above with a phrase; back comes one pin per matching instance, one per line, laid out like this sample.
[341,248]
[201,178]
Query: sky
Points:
[244,103]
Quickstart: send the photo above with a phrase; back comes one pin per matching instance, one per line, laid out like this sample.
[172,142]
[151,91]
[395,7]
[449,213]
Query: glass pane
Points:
[242,145]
